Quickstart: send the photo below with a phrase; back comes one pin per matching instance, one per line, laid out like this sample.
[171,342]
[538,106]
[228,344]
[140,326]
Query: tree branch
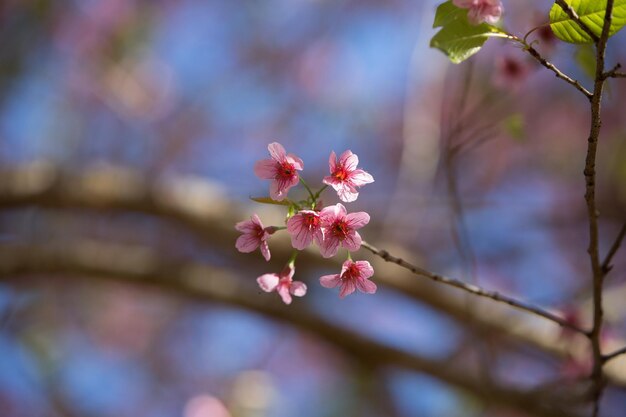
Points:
[557,72]
[614,355]
[473,289]
[597,375]
[606,264]
[141,266]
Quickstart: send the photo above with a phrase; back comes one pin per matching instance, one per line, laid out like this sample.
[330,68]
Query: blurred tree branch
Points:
[200,208]
[142,266]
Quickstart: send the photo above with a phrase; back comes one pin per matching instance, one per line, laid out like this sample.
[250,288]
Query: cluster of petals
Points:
[480,11]
[280,169]
[353,275]
[254,235]
[340,229]
[283,284]
[345,177]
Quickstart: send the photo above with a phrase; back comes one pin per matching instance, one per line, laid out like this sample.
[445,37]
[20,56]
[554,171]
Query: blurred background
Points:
[128,134]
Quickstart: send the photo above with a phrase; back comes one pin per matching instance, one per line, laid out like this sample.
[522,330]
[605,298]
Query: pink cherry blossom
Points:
[304,227]
[345,177]
[254,236]
[281,169]
[481,11]
[353,275]
[340,229]
[283,284]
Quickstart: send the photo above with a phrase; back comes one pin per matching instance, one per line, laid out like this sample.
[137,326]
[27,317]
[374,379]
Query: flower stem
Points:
[308,189]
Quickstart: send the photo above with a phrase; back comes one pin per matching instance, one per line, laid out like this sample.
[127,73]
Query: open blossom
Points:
[304,227]
[345,177]
[353,275]
[254,236]
[281,169]
[340,229]
[283,284]
[481,11]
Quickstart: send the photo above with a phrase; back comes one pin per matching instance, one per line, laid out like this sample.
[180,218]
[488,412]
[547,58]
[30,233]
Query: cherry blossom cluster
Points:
[308,222]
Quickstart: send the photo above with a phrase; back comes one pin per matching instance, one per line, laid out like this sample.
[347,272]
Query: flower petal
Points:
[265,250]
[295,161]
[329,247]
[352,242]
[359,178]
[247,243]
[283,291]
[265,169]
[330,281]
[365,268]
[268,282]
[349,160]
[366,286]
[277,152]
[358,219]
[298,288]
[347,288]
[332,163]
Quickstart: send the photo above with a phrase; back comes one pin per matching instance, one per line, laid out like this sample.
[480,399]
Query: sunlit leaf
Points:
[458,38]
[591,13]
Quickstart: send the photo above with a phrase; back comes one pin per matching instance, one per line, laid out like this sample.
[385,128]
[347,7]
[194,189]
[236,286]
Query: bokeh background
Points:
[128,133]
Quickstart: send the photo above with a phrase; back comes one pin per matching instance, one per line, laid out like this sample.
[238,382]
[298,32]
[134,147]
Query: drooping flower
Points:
[281,169]
[340,229]
[283,284]
[345,177]
[480,11]
[353,275]
[254,236]
[304,227]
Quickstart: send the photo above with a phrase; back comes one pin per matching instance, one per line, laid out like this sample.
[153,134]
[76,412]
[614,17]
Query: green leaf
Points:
[448,12]
[591,13]
[458,38]
[514,126]
[268,200]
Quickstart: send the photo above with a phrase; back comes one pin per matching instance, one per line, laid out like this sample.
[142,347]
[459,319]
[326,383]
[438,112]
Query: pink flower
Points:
[481,11]
[510,72]
[345,177]
[353,275]
[304,227]
[283,284]
[339,229]
[254,236]
[281,169]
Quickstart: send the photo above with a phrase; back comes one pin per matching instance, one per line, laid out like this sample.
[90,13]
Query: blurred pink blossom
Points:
[304,227]
[283,284]
[480,11]
[510,72]
[254,236]
[345,177]
[353,275]
[281,169]
[340,229]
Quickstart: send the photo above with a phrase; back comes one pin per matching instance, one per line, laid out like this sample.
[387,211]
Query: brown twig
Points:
[614,355]
[614,72]
[597,375]
[473,289]
[557,72]
[571,13]
[606,264]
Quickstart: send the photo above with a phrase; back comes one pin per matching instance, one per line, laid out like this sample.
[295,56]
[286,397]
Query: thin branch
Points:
[571,13]
[597,374]
[614,72]
[614,355]
[474,289]
[606,264]
[559,74]
[141,266]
